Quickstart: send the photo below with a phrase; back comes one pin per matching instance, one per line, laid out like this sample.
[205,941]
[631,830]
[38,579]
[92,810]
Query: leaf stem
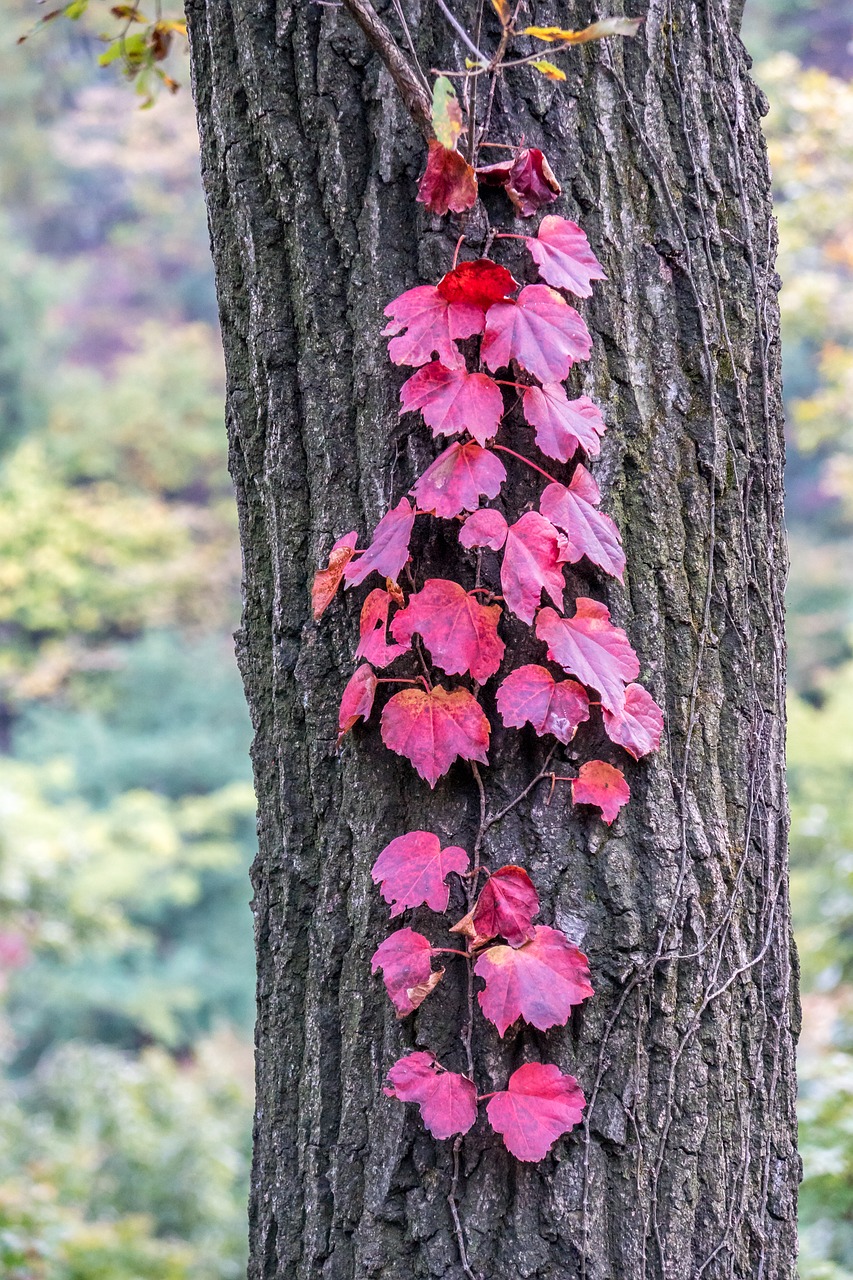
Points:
[522,458]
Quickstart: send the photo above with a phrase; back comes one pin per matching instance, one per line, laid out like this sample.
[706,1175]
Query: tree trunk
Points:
[686,1164]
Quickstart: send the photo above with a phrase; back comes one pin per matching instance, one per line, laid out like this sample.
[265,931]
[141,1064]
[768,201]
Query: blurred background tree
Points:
[127,812]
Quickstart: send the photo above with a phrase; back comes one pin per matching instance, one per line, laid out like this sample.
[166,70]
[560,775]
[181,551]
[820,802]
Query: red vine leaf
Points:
[427,325]
[357,700]
[460,633]
[589,532]
[532,695]
[448,1101]
[639,725]
[432,729]
[457,478]
[600,784]
[537,1107]
[448,181]
[562,424]
[406,963]
[505,908]
[327,581]
[454,400]
[413,869]
[562,253]
[532,562]
[389,550]
[480,283]
[539,330]
[373,645]
[528,179]
[591,648]
[485,528]
[540,982]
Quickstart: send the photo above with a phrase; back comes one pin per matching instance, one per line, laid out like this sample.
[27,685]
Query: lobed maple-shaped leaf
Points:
[460,633]
[561,252]
[457,478]
[357,699]
[480,283]
[505,908]
[591,648]
[562,425]
[448,1100]
[327,581]
[485,528]
[639,725]
[413,869]
[448,182]
[427,325]
[532,695]
[599,784]
[537,1107]
[589,532]
[373,645]
[389,550]
[532,563]
[432,729]
[528,180]
[405,959]
[539,330]
[540,982]
[454,400]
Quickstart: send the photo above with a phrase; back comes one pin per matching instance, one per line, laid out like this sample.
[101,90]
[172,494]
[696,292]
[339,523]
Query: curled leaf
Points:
[527,178]
[532,563]
[357,700]
[389,550]
[373,645]
[505,908]
[406,963]
[599,784]
[327,581]
[547,69]
[639,725]
[448,183]
[447,122]
[537,1107]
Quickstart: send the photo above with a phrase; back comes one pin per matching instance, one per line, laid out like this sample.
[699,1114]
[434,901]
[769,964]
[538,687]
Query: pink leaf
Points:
[448,182]
[327,581]
[485,528]
[454,400]
[413,869]
[540,330]
[601,785]
[562,253]
[591,648]
[532,563]
[457,478]
[427,325]
[562,425]
[373,645]
[538,1106]
[480,283]
[460,633]
[506,906]
[432,729]
[540,982]
[406,963]
[639,725]
[357,700]
[389,550]
[531,694]
[588,531]
[448,1101]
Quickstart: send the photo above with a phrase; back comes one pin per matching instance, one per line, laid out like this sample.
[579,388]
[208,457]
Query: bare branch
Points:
[405,77]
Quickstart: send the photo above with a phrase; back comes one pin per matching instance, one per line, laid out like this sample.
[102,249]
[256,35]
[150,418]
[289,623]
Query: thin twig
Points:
[454,1210]
[543,773]
[463,34]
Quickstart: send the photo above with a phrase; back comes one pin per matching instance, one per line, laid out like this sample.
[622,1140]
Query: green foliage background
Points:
[126,811]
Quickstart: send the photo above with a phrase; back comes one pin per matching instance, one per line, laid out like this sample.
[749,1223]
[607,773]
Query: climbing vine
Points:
[489,352]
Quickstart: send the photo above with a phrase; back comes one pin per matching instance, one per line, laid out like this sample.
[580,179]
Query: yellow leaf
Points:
[548,33]
[501,8]
[548,69]
[598,31]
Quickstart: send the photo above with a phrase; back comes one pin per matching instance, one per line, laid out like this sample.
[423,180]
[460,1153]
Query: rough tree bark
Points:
[686,1165]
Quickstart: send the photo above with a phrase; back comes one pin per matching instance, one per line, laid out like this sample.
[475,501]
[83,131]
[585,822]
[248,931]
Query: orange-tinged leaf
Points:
[448,1100]
[373,645]
[639,725]
[327,581]
[448,184]
[550,34]
[454,400]
[447,122]
[431,729]
[503,10]
[413,870]
[597,31]
[406,963]
[460,633]
[548,69]
[538,1105]
[532,695]
[455,481]
[599,784]
[357,700]
[591,648]
[540,982]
